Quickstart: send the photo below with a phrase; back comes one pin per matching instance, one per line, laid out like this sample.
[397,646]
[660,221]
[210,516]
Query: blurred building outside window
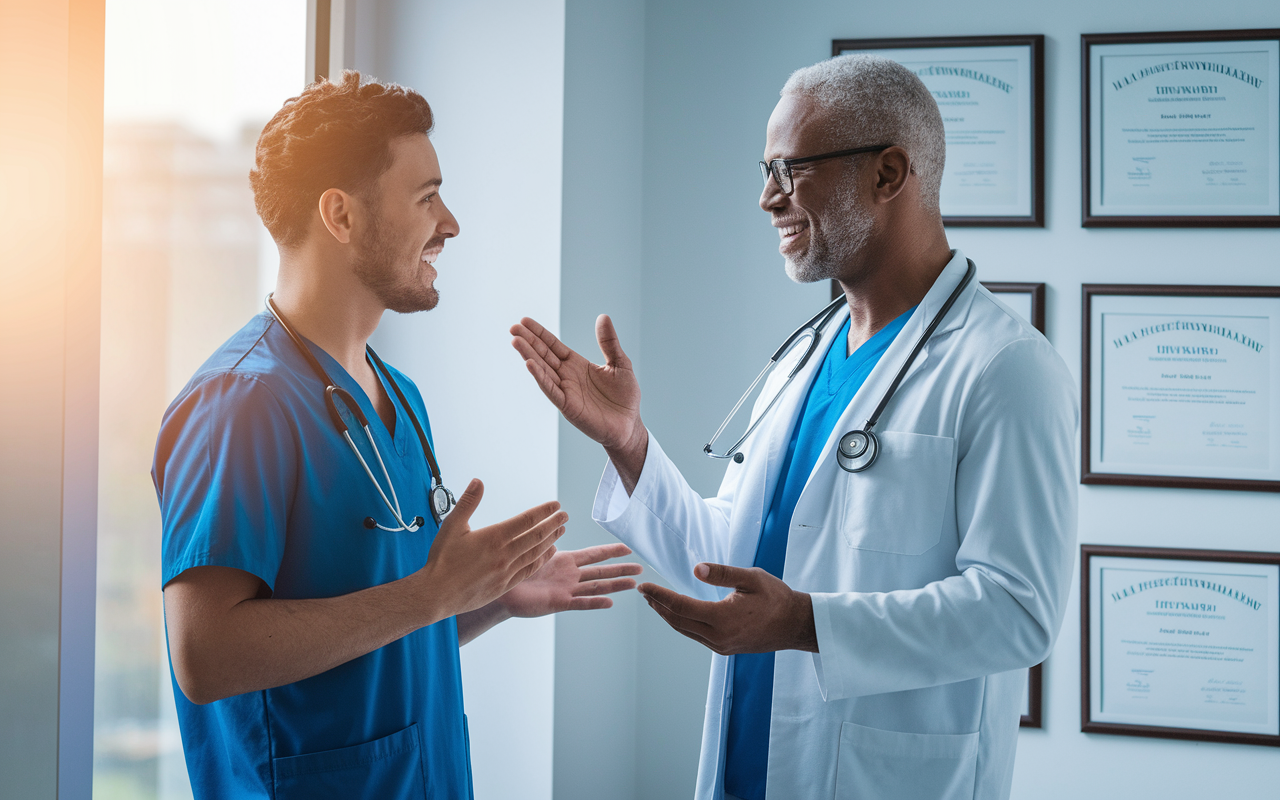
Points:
[186,263]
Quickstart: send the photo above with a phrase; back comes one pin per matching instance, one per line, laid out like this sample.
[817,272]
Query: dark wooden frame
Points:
[1087,551]
[1035,696]
[1037,292]
[1036,43]
[1088,291]
[1088,219]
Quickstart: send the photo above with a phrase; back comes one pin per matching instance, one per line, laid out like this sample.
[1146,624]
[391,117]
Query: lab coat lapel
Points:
[877,383]
[775,433]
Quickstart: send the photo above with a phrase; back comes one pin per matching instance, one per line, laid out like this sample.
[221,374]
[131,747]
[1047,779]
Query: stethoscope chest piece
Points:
[857,450]
[442,503]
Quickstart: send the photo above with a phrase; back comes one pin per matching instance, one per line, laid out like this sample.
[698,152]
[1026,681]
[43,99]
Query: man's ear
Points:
[336,207]
[893,168]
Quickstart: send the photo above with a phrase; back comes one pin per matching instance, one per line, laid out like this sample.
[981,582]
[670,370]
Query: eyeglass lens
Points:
[780,172]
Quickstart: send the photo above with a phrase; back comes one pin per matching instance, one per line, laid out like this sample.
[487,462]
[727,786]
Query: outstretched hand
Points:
[763,615]
[569,582]
[602,401]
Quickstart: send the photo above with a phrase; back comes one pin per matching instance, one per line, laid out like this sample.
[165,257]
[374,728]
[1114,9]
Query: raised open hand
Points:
[602,401]
[570,582]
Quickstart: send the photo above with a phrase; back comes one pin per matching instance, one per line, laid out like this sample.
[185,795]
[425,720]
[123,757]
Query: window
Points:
[185,263]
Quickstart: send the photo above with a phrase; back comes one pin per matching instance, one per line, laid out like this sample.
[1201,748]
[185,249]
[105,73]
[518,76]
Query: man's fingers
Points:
[539,561]
[725,575]
[532,517]
[467,503]
[692,628]
[676,602]
[613,586]
[534,349]
[561,350]
[588,603]
[600,552]
[533,542]
[547,381]
[610,347]
[608,571]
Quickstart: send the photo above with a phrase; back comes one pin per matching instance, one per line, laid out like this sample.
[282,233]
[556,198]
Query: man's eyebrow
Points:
[433,183]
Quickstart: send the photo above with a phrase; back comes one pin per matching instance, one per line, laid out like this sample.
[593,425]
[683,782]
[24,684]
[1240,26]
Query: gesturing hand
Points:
[568,583]
[472,568]
[762,615]
[601,401]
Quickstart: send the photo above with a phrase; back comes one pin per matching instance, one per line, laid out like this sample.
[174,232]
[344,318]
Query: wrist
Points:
[628,458]
[805,631]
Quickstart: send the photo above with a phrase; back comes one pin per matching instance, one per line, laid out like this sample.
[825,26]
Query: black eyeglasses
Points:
[780,168]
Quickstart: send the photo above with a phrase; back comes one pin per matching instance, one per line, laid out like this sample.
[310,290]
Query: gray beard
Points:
[827,256]
[376,270]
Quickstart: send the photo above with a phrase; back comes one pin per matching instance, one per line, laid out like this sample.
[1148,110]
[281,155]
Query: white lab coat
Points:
[937,576]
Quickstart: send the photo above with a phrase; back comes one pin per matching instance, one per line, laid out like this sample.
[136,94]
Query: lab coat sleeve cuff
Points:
[826,660]
[612,501]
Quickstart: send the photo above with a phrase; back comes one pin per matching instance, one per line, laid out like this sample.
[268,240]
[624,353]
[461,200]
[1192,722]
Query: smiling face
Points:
[406,228]
[823,223]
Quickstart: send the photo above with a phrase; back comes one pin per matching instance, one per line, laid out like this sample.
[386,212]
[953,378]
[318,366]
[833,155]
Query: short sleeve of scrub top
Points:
[232,463]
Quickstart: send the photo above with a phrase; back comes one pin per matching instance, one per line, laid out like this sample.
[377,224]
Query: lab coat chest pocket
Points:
[875,764]
[897,505]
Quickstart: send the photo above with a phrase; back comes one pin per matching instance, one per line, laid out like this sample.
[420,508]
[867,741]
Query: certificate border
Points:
[1036,43]
[1035,683]
[1036,290]
[1088,218]
[1087,476]
[1087,725]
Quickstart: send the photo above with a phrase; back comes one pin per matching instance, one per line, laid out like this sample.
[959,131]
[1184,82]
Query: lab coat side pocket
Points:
[876,764]
[386,767]
[896,506]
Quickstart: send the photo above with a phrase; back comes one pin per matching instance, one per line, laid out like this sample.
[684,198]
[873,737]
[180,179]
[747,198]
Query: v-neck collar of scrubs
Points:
[838,368]
[397,439]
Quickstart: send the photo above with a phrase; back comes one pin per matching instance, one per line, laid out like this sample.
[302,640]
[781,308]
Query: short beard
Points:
[376,267]
[827,257]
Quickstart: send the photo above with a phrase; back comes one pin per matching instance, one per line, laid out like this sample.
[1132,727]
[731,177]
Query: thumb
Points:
[723,575]
[467,503]
[610,347]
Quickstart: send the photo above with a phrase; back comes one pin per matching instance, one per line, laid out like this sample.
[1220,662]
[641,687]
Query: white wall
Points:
[493,72]
[715,302]
[600,272]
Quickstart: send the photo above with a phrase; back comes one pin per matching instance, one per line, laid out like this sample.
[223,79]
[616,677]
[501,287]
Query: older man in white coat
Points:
[872,627]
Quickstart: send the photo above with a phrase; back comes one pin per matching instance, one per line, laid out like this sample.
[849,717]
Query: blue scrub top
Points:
[832,390]
[252,474]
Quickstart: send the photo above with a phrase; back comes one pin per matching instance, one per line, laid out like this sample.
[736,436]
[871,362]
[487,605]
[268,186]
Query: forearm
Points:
[473,623]
[262,643]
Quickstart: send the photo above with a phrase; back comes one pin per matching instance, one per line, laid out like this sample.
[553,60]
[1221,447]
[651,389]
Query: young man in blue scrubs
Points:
[314,654]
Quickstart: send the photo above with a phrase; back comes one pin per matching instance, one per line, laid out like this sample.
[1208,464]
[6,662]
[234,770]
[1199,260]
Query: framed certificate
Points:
[1032,716]
[1181,386]
[990,90]
[1025,298]
[1182,644]
[1181,129]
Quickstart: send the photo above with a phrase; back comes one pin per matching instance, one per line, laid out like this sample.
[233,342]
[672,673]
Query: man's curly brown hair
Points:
[335,135]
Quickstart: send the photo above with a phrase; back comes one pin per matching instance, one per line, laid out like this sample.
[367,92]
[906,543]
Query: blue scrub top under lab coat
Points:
[833,389]
[252,474]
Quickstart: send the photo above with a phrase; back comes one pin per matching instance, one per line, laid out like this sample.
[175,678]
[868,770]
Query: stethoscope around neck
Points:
[440,498]
[858,449]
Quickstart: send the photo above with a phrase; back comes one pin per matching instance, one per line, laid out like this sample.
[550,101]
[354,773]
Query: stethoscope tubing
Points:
[813,328]
[441,499]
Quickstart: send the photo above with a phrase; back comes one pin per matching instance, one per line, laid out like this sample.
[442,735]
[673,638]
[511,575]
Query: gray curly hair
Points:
[876,100]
